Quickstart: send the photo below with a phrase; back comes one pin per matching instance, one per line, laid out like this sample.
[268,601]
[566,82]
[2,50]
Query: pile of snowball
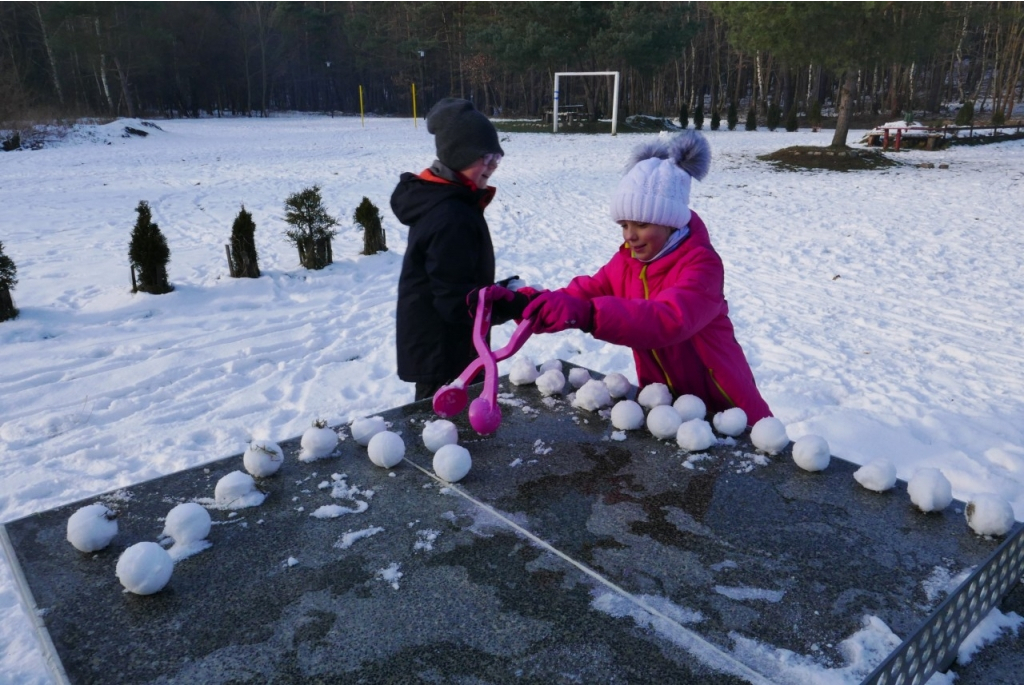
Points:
[386,449]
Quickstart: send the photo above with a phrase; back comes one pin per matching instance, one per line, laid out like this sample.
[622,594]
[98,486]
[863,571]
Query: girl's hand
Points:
[556,311]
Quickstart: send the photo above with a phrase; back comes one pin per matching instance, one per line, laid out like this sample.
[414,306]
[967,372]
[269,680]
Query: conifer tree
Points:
[732,117]
[149,254]
[698,115]
[716,120]
[684,116]
[244,262]
[966,114]
[368,217]
[814,118]
[311,227]
[792,124]
[8,279]
[773,116]
[751,119]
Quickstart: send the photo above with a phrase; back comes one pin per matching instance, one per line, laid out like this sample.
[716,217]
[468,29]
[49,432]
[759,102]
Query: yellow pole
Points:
[415,124]
[362,118]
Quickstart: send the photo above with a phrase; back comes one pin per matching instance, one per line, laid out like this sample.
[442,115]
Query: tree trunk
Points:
[122,74]
[846,94]
[49,55]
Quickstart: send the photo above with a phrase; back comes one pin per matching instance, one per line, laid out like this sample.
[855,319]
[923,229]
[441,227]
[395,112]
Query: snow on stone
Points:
[750,593]
[236,490]
[391,574]
[663,422]
[551,382]
[452,463]
[989,514]
[523,371]
[690,407]
[317,442]
[187,523]
[540,448]
[990,629]
[578,377]
[878,475]
[437,434]
[929,490]
[731,422]
[386,449]
[592,396]
[618,385]
[350,538]
[627,415]
[92,527]
[769,435]
[654,395]
[262,458]
[617,606]
[333,511]
[364,429]
[425,540]
[144,568]
[695,435]
[811,453]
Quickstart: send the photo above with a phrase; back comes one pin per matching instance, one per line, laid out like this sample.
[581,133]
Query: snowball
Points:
[317,443]
[811,453]
[551,382]
[654,395]
[730,422]
[237,490]
[695,435]
[187,523]
[523,372]
[92,527]
[989,515]
[437,434]
[769,435]
[618,385]
[878,475]
[690,407]
[592,396]
[578,377]
[663,421]
[144,568]
[263,459]
[627,415]
[364,429]
[452,463]
[386,449]
[551,365]
[930,490]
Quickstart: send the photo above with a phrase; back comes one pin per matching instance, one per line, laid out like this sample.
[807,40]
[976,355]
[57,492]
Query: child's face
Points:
[480,171]
[645,240]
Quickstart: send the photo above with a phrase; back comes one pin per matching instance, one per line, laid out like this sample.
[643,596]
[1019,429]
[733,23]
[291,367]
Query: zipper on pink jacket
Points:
[657,360]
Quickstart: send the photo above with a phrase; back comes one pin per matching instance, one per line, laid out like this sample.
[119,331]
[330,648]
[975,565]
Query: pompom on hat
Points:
[656,186]
[462,133]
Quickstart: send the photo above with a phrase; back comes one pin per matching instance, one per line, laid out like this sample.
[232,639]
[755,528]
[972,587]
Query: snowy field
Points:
[880,310]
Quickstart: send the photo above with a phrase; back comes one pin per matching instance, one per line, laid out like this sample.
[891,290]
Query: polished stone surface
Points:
[582,557]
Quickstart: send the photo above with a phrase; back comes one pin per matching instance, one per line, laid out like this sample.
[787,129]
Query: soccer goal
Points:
[615,94]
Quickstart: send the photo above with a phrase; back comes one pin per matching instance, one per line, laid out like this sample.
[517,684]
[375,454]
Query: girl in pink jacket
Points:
[662,292]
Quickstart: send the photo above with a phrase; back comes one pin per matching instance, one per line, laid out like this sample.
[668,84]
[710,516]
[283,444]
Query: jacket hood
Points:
[414,196]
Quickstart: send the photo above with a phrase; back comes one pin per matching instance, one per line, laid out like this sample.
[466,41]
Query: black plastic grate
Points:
[934,645]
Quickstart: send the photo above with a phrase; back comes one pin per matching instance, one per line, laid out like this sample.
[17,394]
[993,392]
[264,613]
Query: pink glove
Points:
[556,311]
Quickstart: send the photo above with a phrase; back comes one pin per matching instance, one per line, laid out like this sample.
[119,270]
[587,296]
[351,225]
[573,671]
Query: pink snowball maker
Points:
[484,412]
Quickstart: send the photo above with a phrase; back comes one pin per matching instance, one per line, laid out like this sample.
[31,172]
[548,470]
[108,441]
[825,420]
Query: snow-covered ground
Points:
[880,310]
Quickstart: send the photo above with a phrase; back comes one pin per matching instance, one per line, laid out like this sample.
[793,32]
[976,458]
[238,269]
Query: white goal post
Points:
[615,94]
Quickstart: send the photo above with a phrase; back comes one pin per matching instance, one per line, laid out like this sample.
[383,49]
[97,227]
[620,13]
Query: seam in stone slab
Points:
[709,654]
[32,609]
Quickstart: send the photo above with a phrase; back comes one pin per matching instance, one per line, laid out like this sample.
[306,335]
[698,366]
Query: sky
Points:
[879,310]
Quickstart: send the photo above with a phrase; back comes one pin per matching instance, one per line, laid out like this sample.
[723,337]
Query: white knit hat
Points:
[656,187]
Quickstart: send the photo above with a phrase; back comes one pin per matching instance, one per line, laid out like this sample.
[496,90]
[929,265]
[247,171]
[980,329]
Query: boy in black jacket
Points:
[449,253]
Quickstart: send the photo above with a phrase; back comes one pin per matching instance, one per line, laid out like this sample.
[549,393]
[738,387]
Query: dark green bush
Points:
[732,117]
[791,121]
[244,262]
[8,279]
[698,115]
[368,217]
[311,229]
[751,124]
[684,115]
[773,117]
[814,116]
[149,254]
[966,114]
[716,120]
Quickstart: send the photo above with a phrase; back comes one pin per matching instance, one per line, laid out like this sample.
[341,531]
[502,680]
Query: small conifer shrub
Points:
[243,263]
[998,117]
[716,120]
[732,117]
[148,254]
[312,227]
[698,115]
[966,114]
[368,217]
[792,124]
[684,116]
[773,117]
[8,279]
[814,117]
[751,124]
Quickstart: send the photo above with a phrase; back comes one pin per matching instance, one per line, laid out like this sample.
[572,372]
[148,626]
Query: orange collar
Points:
[487,193]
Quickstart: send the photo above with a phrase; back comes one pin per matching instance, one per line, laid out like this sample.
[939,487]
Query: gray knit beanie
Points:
[462,133]
[656,187]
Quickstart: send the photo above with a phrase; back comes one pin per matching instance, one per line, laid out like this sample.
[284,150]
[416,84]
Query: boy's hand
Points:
[505,304]
[556,311]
